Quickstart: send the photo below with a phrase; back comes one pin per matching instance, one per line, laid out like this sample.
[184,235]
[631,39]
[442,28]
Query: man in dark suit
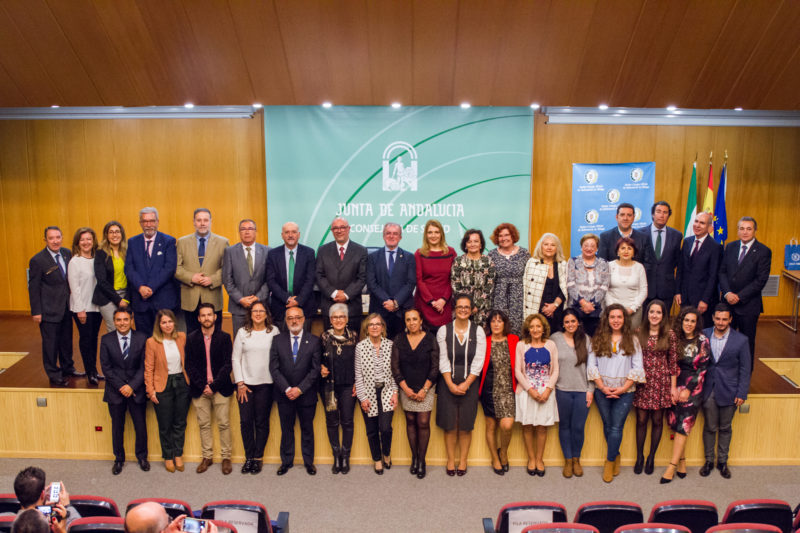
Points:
[698,267]
[290,276]
[391,278]
[665,244]
[342,273]
[122,361]
[742,275]
[207,362]
[626,214]
[48,290]
[150,268]
[244,273]
[725,388]
[294,362]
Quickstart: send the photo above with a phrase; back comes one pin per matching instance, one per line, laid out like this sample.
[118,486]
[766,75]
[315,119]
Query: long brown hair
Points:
[248,321]
[123,244]
[157,333]
[578,339]
[526,327]
[677,327]
[601,342]
[643,333]
[76,239]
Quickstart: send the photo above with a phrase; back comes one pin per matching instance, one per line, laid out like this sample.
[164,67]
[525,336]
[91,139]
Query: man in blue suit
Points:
[665,244]
[626,214]
[150,269]
[698,267]
[726,384]
[391,278]
[290,277]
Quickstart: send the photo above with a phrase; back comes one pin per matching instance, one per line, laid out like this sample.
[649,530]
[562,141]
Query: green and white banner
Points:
[465,167]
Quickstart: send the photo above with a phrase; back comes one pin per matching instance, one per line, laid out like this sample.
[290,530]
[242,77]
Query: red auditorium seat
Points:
[224,527]
[607,516]
[561,527]
[88,505]
[697,515]
[759,511]
[6,522]
[97,524]
[9,503]
[744,528]
[264,525]
[652,527]
[557,513]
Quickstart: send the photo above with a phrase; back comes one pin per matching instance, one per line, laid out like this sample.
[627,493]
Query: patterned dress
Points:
[659,367]
[497,396]
[476,278]
[693,360]
[507,295]
[541,370]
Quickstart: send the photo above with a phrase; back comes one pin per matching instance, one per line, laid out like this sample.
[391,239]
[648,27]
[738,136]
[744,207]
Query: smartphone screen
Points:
[193,525]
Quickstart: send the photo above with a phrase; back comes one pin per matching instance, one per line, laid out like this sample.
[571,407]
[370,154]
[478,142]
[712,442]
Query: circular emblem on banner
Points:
[591,216]
[590,176]
[637,214]
[612,196]
[795,256]
[637,174]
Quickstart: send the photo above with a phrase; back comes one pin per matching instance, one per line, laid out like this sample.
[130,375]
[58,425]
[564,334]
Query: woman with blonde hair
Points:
[434,260]
[545,281]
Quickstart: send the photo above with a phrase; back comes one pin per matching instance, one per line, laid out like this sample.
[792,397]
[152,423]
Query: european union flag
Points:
[720,215]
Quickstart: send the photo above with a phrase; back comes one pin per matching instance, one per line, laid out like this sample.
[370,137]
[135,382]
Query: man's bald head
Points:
[148,517]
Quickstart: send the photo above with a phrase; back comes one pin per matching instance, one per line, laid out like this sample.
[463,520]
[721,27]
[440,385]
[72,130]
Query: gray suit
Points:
[348,275]
[238,281]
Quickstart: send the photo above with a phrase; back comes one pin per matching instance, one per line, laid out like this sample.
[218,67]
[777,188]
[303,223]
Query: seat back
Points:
[174,508]
[225,527]
[697,515]
[774,512]
[88,505]
[515,516]
[9,503]
[6,522]
[562,527]
[246,516]
[607,516]
[97,524]
[652,527]
[744,528]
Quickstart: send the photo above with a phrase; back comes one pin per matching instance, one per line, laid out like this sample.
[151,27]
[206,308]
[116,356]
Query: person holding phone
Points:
[151,516]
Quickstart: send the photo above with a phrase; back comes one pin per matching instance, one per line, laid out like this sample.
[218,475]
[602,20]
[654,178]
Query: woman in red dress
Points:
[434,293]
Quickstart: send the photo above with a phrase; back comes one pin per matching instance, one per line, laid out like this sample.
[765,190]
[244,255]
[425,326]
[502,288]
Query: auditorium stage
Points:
[74,422]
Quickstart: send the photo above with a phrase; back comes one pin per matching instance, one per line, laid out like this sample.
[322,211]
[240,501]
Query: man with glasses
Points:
[290,276]
[342,273]
[244,273]
[391,278]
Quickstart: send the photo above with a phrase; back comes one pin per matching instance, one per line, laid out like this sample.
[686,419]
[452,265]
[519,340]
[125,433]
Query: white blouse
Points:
[80,276]
[173,356]
[627,285]
[618,368]
[480,350]
[251,356]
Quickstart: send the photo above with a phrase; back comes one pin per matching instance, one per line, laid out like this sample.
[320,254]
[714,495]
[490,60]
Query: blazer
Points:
[729,377]
[349,275]
[303,280]
[237,279]
[533,280]
[188,265]
[661,274]
[104,273]
[302,374]
[644,250]
[119,371]
[697,275]
[399,286]
[747,279]
[48,290]
[156,272]
[194,362]
[366,367]
[155,364]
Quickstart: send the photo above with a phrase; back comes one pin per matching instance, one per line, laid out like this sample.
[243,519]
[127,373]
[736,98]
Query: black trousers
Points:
[87,340]
[746,325]
[254,420]
[171,411]
[394,324]
[138,412]
[57,347]
[289,411]
[144,321]
[343,416]
[379,430]
[193,325]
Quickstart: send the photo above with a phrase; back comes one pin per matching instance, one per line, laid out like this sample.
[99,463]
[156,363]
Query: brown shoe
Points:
[179,464]
[204,464]
[227,467]
[567,472]
[617,462]
[577,469]
[608,471]
[169,464]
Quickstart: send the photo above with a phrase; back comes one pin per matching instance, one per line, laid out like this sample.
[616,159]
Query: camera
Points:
[193,525]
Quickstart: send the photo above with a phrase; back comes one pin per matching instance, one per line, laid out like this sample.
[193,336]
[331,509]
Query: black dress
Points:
[551,291]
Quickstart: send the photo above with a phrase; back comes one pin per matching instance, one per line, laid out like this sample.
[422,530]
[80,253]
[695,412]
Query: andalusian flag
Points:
[691,203]
[720,214]
[708,201]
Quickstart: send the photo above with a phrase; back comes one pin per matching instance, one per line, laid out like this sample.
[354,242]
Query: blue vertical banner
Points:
[597,190]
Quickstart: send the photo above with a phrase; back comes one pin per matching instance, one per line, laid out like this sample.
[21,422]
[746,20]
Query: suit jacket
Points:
[302,374]
[194,363]
[348,275]
[156,272]
[155,364]
[644,250]
[104,273]
[661,274]
[303,280]
[697,275]
[237,279]
[119,371]
[399,286]
[48,290]
[188,265]
[729,377]
[747,279]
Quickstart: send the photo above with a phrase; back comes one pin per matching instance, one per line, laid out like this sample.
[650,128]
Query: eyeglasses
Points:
[294,318]
[254,311]
[339,317]
[463,308]
[339,228]
[247,229]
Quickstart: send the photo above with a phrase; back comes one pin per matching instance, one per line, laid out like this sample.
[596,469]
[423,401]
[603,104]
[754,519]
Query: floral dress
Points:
[508,293]
[693,360]
[539,370]
[659,367]
[476,278]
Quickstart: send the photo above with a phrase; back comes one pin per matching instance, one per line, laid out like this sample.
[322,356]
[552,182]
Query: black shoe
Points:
[387,466]
[706,469]
[337,454]
[504,466]
[414,467]
[117,468]
[311,469]
[649,465]
[665,480]
[60,382]
[539,473]
[378,471]
[92,379]
[284,468]
[450,473]
[724,470]
[255,466]
[247,466]
[531,472]
[681,474]
[345,468]
[144,464]
[101,377]
[421,469]
[76,374]
[460,472]
[639,465]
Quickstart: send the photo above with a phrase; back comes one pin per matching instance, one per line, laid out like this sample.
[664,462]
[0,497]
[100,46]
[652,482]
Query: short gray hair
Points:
[749,219]
[392,225]
[338,308]
[201,210]
[145,210]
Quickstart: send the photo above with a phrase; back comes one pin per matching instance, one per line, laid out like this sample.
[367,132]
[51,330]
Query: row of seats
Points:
[101,515]
[694,516]
[652,527]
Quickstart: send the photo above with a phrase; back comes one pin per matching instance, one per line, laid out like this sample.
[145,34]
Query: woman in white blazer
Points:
[545,282]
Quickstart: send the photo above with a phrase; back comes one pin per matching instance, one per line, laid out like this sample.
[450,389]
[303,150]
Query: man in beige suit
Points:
[200,269]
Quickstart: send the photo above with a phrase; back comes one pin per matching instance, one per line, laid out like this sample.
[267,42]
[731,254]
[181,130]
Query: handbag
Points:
[791,255]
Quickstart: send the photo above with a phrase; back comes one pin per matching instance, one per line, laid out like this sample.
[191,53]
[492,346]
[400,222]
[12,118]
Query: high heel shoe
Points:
[665,480]
[649,465]
[639,466]
[387,464]
[421,469]
[502,464]
[414,466]
[681,474]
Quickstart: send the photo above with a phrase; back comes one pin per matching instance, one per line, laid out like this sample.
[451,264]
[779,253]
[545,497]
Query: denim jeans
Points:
[572,413]
[614,412]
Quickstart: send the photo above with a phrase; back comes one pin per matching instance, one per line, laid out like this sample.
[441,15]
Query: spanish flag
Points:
[708,201]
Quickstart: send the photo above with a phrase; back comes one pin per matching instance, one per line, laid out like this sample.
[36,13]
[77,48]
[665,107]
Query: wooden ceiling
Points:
[634,53]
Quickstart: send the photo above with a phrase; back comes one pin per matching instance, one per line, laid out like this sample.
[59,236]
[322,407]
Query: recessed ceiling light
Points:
[602,107]
[465,105]
[567,110]
[678,112]
[737,109]
[257,106]
[188,105]
[671,108]
[671,116]
[622,111]
[327,105]
[397,105]
[55,106]
[534,106]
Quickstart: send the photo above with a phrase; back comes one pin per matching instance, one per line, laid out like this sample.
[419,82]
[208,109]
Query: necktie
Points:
[658,244]
[696,246]
[60,262]
[148,247]
[290,274]
[743,253]
[201,250]
[249,261]
[341,253]
[391,261]
[125,349]
[295,348]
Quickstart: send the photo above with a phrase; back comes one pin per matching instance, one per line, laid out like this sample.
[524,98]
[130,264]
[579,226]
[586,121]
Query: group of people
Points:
[534,338]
